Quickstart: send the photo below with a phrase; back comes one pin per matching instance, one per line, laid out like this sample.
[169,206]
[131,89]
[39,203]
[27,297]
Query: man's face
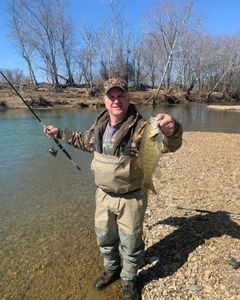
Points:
[116,102]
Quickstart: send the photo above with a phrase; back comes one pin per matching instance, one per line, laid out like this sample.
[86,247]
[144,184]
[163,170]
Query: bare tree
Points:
[65,37]
[167,22]
[20,35]
[228,62]
[138,65]
[15,76]
[172,52]
[231,84]
[48,32]
[152,61]
[87,54]
[112,42]
[41,19]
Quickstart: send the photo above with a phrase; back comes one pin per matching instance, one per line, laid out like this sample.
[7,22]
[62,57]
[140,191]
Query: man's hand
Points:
[166,124]
[50,131]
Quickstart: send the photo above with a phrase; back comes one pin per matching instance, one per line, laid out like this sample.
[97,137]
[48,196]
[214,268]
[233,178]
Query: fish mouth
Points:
[152,136]
[154,133]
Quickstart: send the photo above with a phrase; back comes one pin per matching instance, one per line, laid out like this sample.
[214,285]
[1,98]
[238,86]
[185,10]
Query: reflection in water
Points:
[197,117]
[48,247]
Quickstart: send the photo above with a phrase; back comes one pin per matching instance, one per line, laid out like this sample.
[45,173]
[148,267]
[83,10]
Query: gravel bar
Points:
[192,224]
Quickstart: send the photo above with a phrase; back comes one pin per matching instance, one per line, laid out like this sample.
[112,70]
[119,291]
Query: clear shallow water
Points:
[48,247]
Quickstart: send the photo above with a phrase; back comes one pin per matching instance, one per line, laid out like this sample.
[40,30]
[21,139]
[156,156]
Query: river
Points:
[48,247]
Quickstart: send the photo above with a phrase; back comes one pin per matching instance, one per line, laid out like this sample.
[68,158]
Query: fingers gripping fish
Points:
[150,152]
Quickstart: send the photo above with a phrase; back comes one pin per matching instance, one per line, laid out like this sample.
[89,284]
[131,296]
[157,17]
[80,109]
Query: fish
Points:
[149,153]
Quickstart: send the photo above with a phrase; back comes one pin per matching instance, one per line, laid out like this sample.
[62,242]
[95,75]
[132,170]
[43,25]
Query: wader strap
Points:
[127,147]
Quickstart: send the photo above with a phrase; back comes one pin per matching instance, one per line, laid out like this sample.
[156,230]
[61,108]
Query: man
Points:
[115,139]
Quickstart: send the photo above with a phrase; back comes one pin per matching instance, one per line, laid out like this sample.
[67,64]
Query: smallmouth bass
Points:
[149,153]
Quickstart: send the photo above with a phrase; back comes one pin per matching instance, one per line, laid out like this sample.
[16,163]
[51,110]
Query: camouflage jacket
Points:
[130,130]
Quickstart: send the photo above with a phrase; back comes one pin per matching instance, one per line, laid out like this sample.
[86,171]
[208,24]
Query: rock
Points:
[195,288]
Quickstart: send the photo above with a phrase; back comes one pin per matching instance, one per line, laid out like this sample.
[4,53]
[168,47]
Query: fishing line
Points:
[60,146]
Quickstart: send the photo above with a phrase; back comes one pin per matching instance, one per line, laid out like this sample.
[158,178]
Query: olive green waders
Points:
[119,212]
[119,228]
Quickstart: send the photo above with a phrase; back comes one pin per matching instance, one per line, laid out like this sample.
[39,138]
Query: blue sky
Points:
[220,17]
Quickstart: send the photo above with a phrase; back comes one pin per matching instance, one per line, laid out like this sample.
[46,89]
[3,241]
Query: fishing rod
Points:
[51,150]
[235,215]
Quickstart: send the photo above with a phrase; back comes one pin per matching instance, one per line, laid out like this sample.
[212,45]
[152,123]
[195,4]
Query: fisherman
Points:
[115,139]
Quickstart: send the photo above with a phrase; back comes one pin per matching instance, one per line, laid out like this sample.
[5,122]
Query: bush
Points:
[3,105]
[40,101]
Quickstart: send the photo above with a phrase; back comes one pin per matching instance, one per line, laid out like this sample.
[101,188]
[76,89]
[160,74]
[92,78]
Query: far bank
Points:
[48,96]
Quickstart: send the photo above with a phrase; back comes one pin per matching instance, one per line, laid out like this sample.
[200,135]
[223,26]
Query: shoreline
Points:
[225,107]
[47,98]
[100,104]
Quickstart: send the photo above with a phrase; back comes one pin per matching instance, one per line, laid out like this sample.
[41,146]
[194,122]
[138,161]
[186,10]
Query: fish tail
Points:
[152,188]
[147,186]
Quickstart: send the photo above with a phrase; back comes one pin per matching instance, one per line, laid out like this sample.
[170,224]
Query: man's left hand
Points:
[166,124]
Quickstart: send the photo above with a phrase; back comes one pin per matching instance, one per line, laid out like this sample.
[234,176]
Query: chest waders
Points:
[113,174]
[120,209]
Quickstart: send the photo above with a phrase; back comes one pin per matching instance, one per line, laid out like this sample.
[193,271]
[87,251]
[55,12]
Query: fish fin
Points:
[139,163]
[147,186]
[152,188]
[157,172]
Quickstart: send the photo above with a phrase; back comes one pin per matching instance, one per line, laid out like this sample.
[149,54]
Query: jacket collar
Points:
[103,118]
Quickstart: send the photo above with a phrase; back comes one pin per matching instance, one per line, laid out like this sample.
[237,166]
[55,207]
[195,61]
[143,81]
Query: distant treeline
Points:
[170,51]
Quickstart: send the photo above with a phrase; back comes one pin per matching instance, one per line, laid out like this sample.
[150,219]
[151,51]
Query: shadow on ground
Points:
[172,251]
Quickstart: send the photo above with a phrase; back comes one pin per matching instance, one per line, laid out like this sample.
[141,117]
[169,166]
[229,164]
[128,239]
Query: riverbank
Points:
[193,255]
[47,96]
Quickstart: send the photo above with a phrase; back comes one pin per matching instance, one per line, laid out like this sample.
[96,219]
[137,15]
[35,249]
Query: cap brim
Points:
[114,87]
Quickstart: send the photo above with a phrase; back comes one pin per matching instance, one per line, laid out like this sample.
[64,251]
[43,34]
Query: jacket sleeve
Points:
[173,143]
[80,140]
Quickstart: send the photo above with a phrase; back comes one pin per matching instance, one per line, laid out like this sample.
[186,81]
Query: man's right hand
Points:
[51,131]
